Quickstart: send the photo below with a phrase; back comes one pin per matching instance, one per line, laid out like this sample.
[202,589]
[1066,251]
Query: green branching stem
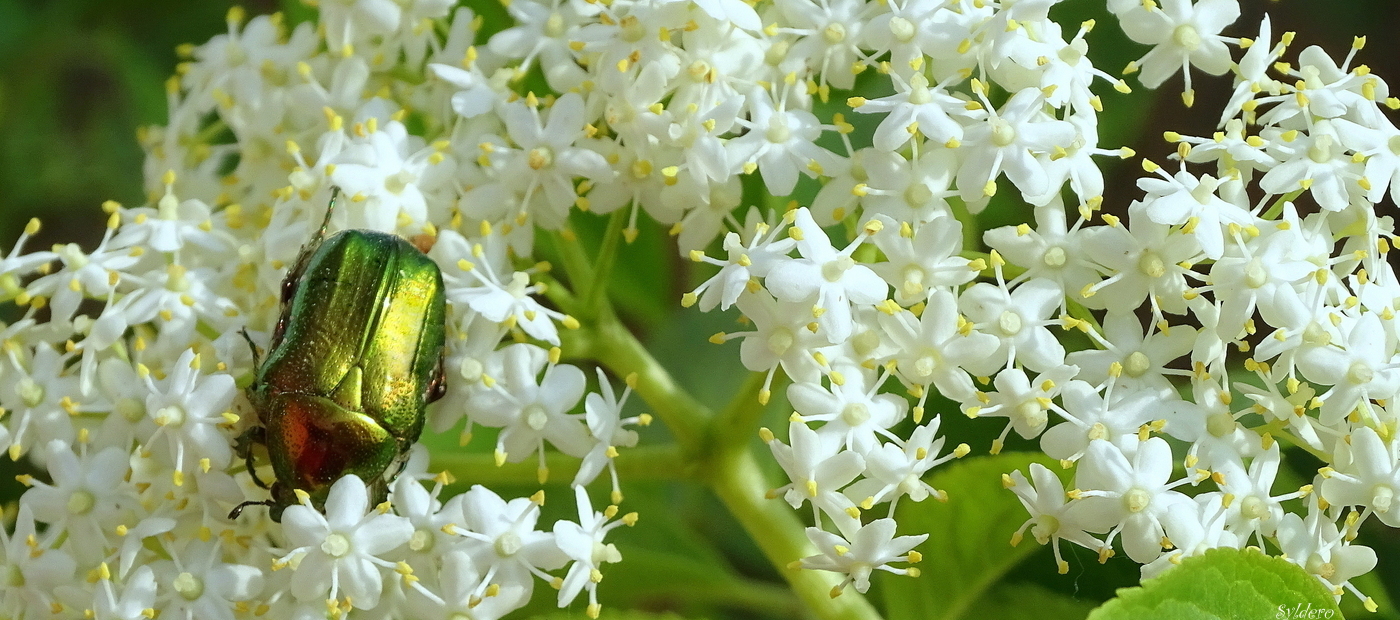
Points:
[709,448]
[607,257]
[1277,208]
[714,449]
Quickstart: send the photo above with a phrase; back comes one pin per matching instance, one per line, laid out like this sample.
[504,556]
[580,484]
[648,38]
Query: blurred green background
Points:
[81,75]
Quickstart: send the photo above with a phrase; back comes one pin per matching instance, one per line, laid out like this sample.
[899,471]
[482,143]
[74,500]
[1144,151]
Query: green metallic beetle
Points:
[355,358]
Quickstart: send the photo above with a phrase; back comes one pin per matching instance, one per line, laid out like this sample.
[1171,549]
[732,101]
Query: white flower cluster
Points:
[1262,323]
[662,106]
[121,380]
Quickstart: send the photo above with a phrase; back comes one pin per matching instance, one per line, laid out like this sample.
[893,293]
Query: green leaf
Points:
[968,548]
[1223,583]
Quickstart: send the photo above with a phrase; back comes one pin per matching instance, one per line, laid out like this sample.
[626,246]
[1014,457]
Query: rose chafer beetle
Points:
[355,358]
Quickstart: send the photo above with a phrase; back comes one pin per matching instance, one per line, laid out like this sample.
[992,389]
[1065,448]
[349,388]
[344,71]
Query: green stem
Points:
[1277,208]
[661,462]
[622,354]
[1277,429]
[750,597]
[735,426]
[576,266]
[607,257]
[739,482]
[972,231]
[731,471]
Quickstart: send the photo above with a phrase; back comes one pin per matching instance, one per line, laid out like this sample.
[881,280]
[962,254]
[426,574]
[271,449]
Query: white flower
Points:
[852,409]
[479,287]
[896,469]
[780,337]
[1052,519]
[135,600]
[1372,481]
[201,585]
[923,259]
[873,547]
[1051,250]
[1091,416]
[338,552]
[911,190]
[1144,259]
[819,469]
[1254,508]
[169,226]
[603,412]
[502,542]
[1194,528]
[933,349]
[1318,163]
[390,171]
[735,11]
[780,143]
[1317,545]
[745,261]
[829,279]
[1185,199]
[1251,71]
[583,543]
[1129,497]
[531,411]
[1364,370]
[39,398]
[1183,34]
[89,273]
[1267,274]
[1007,141]
[1019,319]
[350,22]
[187,408]
[1025,405]
[542,34]
[87,492]
[1210,425]
[546,160]
[830,32]
[32,569]
[1142,360]
[930,109]
[476,96]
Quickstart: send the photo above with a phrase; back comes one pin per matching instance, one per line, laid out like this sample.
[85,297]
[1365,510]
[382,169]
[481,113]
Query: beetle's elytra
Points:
[355,358]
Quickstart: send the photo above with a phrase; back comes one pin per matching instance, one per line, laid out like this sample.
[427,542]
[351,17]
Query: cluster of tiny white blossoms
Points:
[126,391]
[1217,313]
[121,381]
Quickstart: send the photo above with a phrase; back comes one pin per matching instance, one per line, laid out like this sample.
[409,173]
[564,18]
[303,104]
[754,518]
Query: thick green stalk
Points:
[729,468]
[739,482]
[618,350]
[602,268]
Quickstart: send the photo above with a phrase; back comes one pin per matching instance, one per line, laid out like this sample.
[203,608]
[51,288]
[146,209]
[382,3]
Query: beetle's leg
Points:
[326,223]
[289,283]
[257,357]
[244,446]
[238,510]
[437,383]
